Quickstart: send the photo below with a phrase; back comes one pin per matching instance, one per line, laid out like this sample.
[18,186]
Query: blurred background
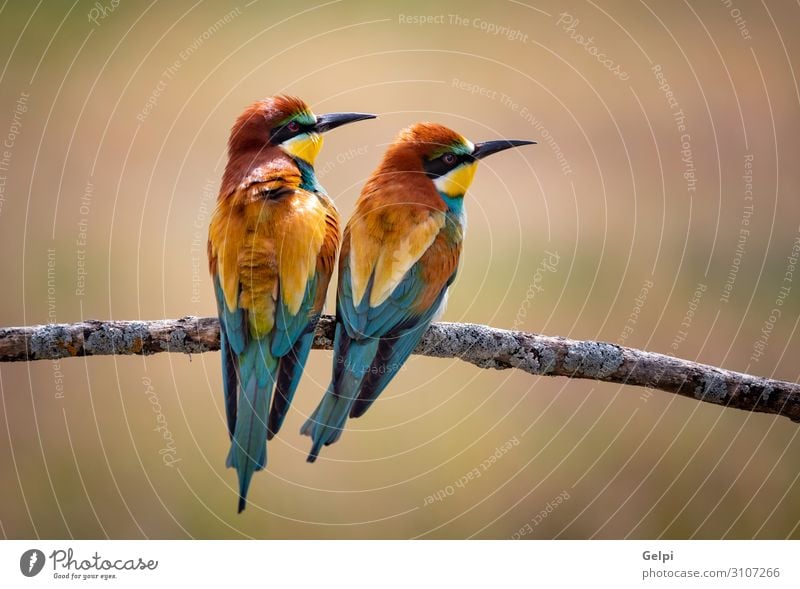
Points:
[660,210]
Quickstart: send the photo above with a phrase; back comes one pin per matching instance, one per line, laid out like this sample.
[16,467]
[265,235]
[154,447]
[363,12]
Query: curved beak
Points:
[487,148]
[337,119]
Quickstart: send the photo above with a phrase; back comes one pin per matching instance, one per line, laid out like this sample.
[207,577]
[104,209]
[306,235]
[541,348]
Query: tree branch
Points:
[485,347]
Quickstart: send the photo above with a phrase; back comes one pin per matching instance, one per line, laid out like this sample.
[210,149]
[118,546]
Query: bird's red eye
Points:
[449,159]
[293,126]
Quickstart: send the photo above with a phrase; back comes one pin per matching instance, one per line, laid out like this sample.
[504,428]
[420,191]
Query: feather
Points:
[394,350]
[372,342]
[326,426]
[290,369]
[271,253]
[248,451]
[400,254]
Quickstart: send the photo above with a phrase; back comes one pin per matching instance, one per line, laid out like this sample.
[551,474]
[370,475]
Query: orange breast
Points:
[261,243]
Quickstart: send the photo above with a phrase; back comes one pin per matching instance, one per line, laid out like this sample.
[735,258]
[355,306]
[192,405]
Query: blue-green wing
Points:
[233,337]
[291,342]
[368,341]
[395,346]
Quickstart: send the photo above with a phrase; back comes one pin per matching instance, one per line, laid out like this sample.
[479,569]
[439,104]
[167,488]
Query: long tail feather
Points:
[229,382]
[248,451]
[352,360]
[232,337]
[330,418]
[390,357]
[290,370]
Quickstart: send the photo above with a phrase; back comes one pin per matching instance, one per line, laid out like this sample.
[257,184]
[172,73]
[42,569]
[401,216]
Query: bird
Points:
[399,256]
[272,245]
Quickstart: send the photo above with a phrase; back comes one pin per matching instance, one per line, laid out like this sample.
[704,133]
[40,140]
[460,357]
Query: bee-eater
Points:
[399,255]
[272,245]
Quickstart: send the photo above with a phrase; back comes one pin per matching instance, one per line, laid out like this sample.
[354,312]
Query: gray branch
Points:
[485,347]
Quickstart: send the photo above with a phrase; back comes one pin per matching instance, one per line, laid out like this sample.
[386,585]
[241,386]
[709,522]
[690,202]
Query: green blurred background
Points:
[115,119]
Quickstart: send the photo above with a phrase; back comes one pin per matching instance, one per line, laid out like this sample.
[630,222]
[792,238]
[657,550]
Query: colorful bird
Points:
[271,249]
[399,255]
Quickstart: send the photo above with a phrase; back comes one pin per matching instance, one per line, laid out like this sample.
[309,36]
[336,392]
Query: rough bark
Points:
[485,347]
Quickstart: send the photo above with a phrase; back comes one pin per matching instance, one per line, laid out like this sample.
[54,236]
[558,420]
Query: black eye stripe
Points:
[283,133]
[438,167]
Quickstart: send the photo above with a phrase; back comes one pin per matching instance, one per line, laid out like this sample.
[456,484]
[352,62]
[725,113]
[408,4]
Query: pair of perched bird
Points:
[272,247]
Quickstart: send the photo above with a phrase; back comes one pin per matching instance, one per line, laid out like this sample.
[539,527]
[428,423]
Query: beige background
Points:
[602,200]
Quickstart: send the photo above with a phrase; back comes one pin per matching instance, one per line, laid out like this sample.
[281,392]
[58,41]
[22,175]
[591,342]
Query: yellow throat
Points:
[305,147]
[456,182]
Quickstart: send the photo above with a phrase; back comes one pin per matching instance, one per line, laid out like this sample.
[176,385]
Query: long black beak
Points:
[337,119]
[489,147]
